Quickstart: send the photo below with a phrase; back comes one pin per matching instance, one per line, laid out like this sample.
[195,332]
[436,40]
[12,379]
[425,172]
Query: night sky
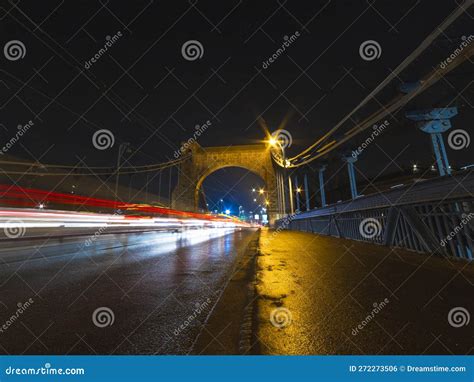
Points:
[145,92]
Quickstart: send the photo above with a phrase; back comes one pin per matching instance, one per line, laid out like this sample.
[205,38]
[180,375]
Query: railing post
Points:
[321,186]
[306,191]
[352,179]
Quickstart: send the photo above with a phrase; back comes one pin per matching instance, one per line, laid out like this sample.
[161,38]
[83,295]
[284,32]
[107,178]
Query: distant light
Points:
[255,200]
[261,191]
[267,202]
[41,206]
[253,189]
[298,190]
[415,167]
[227,212]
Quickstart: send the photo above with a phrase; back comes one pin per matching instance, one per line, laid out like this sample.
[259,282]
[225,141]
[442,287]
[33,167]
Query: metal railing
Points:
[430,216]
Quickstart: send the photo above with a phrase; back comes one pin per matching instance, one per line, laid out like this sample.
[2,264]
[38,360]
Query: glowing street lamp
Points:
[273,142]
[253,189]
[261,191]
[298,190]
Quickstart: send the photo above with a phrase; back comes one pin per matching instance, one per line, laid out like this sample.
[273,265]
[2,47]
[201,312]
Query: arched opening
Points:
[233,190]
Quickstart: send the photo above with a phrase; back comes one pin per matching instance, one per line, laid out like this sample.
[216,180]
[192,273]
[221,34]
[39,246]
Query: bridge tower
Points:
[203,161]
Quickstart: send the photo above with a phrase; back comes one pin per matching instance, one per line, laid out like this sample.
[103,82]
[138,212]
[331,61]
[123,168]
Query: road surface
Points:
[151,291]
[230,291]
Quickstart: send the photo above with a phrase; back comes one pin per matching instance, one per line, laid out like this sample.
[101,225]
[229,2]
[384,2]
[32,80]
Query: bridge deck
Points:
[329,286]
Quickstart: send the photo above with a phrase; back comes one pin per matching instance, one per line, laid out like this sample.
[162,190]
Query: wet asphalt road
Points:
[325,288]
[151,282]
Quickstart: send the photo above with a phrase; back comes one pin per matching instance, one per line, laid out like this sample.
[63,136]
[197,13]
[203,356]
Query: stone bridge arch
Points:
[203,161]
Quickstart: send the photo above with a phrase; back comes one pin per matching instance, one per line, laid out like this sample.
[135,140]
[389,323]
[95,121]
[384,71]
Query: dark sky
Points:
[146,93]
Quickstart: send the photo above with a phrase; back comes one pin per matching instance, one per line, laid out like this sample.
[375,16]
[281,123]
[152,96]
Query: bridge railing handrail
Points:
[442,188]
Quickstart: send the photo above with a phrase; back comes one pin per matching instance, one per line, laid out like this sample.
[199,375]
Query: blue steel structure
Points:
[352,178]
[321,186]
[432,216]
[435,122]
[306,192]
